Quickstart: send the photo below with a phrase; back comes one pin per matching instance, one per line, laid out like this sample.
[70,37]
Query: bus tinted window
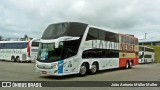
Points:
[147,56]
[149,49]
[25,45]
[101,35]
[76,29]
[54,31]
[111,37]
[97,34]
[92,34]
[22,45]
[13,45]
[35,44]
[141,48]
[1,45]
[100,53]
[8,45]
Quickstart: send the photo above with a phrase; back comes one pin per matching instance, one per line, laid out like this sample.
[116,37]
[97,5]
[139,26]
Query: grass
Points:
[157,53]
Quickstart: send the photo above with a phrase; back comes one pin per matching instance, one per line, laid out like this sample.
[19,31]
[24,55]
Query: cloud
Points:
[31,17]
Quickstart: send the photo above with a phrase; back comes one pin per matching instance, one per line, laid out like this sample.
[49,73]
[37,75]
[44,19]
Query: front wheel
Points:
[83,70]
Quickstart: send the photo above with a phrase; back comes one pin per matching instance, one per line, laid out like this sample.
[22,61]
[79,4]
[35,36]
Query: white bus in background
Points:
[146,54]
[72,47]
[19,51]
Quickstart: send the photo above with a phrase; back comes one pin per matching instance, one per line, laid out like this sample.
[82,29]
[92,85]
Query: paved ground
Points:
[11,71]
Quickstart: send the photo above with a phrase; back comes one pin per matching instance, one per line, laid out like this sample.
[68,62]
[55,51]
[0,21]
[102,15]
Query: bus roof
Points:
[13,41]
[56,30]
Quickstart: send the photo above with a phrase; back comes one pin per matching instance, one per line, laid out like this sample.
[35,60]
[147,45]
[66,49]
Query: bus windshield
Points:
[55,31]
[48,53]
[141,54]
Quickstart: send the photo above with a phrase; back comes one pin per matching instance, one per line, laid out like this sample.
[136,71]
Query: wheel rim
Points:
[127,65]
[83,70]
[130,64]
[17,59]
[93,69]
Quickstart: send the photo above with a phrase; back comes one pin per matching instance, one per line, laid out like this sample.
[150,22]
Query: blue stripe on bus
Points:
[60,68]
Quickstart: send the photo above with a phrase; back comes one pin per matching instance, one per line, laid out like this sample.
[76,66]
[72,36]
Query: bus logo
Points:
[6,84]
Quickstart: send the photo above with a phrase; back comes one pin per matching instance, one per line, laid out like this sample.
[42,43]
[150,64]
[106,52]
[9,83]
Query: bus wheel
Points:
[94,68]
[13,59]
[17,59]
[83,70]
[29,61]
[127,65]
[130,64]
[152,61]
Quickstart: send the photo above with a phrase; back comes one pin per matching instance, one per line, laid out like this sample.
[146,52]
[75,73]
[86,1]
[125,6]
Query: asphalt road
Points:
[12,71]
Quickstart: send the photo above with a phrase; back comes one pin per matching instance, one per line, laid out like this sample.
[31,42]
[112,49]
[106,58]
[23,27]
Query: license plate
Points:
[44,72]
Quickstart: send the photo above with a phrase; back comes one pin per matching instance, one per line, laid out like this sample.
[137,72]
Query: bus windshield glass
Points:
[48,53]
[55,31]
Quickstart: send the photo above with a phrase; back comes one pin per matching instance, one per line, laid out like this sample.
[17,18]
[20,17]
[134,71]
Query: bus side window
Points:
[101,35]
[92,34]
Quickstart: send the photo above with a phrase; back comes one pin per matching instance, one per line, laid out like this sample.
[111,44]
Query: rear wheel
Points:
[127,65]
[18,59]
[130,64]
[83,69]
[13,59]
[94,68]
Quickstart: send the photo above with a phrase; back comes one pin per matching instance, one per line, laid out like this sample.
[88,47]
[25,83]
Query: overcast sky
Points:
[31,17]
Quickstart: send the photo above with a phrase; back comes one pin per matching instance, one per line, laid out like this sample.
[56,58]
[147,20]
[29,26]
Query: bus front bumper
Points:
[48,72]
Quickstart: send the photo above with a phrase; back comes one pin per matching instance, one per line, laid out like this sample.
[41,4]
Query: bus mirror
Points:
[60,44]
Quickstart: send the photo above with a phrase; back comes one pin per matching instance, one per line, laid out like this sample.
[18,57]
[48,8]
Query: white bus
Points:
[19,51]
[71,48]
[146,54]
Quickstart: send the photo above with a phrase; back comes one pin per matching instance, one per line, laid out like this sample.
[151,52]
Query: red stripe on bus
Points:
[122,61]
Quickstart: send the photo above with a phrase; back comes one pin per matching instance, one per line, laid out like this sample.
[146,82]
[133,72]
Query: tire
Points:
[13,59]
[127,65]
[94,68]
[17,59]
[130,64]
[152,61]
[29,61]
[83,69]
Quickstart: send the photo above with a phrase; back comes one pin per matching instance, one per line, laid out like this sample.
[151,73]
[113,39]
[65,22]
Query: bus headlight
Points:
[54,66]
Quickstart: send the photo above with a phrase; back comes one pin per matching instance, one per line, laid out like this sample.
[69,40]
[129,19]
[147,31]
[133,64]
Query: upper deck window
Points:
[73,29]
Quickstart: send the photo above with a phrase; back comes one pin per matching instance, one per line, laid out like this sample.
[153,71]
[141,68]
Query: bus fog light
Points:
[55,71]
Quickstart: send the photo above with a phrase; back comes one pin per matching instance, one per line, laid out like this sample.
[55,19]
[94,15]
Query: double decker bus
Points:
[146,54]
[73,47]
[19,51]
